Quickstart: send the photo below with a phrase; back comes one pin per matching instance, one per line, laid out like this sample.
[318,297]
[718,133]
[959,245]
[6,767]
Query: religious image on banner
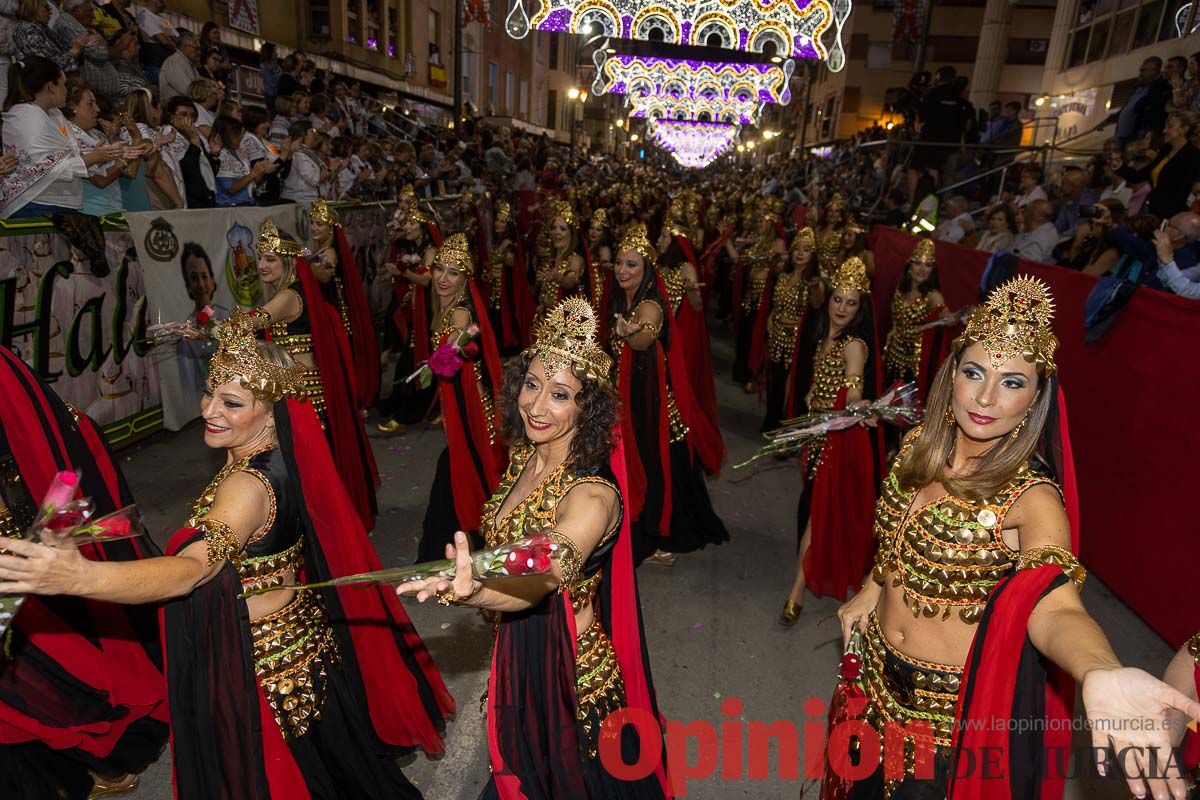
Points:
[80,322]
[241,266]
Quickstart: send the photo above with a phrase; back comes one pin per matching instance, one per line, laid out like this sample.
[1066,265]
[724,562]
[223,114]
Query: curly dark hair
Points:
[593,440]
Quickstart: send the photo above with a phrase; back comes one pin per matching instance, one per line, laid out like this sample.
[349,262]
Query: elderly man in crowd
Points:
[1076,195]
[1179,237]
[180,69]
[1036,242]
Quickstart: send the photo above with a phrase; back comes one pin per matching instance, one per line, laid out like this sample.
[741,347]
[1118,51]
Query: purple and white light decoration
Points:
[734,112]
[794,27]
[693,144]
[677,78]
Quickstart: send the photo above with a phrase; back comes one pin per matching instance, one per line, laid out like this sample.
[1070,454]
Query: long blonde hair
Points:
[929,459]
[285,280]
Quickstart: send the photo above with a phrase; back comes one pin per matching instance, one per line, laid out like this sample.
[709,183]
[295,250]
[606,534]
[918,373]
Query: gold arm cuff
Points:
[1193,647]
[262,318]
[853,382]
[223,543]
[1059,556]
[8,525]
[570,559]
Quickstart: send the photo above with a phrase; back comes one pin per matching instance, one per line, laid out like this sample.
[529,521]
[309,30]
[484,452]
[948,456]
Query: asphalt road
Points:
[710,619]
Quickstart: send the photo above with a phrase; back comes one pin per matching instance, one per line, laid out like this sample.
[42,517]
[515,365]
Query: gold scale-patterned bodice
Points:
[902,353]
[829,377]
[948,553]
[673,280]
[758,258]
[598,683]
[502,259]
[829,245]
[294,334]
[293,646]
[788,302]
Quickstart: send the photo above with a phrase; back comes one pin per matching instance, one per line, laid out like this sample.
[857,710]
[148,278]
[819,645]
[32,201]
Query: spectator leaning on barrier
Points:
[1183,230]
[1036,242]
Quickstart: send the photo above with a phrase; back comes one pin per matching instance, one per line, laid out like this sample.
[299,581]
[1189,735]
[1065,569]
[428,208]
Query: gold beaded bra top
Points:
[538,513]
[279,547]
[295,334]
[829,375]
[948,554]
[673,281]
[789,300]
[902,353]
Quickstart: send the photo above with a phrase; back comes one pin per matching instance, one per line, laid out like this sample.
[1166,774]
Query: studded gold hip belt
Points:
[292,650]
[904,690]
[598,682]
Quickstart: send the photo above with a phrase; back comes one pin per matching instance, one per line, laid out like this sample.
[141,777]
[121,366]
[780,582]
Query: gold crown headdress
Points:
[835,202]
[407,191]
[503,212]
[270,240]
[561,209]
[852,276]
[321,212]
[455,251]
[237,359]
[600,218]
[1015,321]
[635,239]
[806,237]
[925,252]
[566,339]
[854,225]
[677,227]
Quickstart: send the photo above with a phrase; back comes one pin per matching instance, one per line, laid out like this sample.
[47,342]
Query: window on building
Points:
[354,21]
[318,18]
[879,55]
[554,51]
[393,48]
[524,107]
[552,107]
[435,28]
[493,86]
[1105,28]
[508,92]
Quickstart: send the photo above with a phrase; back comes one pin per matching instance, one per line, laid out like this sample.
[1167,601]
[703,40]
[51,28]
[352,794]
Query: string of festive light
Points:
[631,74]
[695,108]
[785,27]
[692,144]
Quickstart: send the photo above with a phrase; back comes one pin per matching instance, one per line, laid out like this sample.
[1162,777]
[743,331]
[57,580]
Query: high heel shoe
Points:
[391,427]
[791,612]
[107,787]
[662,558]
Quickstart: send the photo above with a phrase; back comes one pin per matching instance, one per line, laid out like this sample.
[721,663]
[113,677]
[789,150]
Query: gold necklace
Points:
[209,496]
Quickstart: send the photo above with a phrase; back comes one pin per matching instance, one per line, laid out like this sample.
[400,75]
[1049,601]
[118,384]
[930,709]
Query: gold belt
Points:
[311,384]
[902,689]
[678,428]
[598,682]
[292,649]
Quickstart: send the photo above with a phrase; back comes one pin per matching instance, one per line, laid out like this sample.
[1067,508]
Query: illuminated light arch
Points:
[743,89]
[655,18]
[593,12]
[620,74]
[795,26]
[693,143]
[710,89]
[675,88]
[714,22]
[743,113]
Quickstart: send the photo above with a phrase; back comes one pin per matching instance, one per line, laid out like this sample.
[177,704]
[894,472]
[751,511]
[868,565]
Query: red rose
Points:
[204,315]
[471,350]
[540,562]
[114,527]
[445,361]
[65,520]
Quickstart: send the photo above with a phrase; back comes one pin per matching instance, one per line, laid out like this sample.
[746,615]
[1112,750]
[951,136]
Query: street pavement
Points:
[717,653]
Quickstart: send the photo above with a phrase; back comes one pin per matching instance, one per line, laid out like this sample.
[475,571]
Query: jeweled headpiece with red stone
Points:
[567,339]
[634,238]
[1015,321]
[270,240]
[237,359]
[852,276]
[456,251]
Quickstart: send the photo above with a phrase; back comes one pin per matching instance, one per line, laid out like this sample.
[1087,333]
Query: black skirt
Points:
[694,523]
[743,344]
[441,520]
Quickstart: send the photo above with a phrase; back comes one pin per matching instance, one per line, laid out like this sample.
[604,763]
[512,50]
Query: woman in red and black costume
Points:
[297,317]
[274,695]
[753,279]
[798,290]
[680,276]
[833,519]
[409,262]
[971,620]
[564,266]
[669,443]
[469,466]
[911,355]
[569,648]
[82,697]
[342,285]
[511,305]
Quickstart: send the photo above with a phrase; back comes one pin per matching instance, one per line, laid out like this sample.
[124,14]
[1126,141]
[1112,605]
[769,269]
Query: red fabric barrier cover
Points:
[1132,449]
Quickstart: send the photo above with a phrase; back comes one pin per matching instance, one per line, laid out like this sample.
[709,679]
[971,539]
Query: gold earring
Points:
[950,421]
[1017,430]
